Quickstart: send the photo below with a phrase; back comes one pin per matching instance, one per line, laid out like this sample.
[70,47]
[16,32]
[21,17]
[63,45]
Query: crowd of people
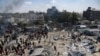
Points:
[10,41]
[14,41]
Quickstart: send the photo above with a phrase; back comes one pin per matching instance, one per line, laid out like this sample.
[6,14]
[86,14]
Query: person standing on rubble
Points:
[1,50]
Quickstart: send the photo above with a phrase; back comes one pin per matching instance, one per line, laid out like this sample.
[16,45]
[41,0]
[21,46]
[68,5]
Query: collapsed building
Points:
[21,17]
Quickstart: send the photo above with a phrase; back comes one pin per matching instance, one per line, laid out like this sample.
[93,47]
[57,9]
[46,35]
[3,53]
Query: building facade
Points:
[52,13]
[91,14]
[21,17]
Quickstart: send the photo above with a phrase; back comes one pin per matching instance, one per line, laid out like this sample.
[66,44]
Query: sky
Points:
[69,5]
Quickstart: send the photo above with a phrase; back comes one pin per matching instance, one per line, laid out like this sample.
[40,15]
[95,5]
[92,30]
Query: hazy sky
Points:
[69,5]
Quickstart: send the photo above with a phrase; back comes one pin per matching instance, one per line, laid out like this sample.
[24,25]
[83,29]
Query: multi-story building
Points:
[91,14]
[52,12]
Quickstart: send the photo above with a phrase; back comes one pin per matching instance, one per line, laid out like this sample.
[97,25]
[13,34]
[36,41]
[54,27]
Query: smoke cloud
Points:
[7,6]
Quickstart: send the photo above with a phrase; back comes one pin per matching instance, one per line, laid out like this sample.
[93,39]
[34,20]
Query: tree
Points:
[63,17]
[46,19]
[73,18]
[39,22]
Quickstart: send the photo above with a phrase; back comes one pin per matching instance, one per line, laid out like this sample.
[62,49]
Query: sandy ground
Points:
[61,44]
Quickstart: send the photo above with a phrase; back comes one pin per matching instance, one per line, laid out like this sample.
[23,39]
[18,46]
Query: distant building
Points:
[21,17]
[91,14]
[52,12]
